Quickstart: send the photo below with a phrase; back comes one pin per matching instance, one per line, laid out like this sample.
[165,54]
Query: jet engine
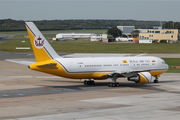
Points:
[142,77]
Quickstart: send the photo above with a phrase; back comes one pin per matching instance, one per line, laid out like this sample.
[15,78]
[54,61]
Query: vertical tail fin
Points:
[41,47]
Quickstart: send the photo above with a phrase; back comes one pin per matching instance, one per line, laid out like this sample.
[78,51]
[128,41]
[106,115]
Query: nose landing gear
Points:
[156,79]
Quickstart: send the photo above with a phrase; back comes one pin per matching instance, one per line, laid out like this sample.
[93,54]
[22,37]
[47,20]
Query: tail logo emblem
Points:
[39,42]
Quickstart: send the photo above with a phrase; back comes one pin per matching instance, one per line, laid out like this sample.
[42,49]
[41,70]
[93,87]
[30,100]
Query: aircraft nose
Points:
[167,66]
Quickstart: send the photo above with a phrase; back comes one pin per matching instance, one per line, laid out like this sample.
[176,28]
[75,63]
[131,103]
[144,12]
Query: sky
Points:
[158,10]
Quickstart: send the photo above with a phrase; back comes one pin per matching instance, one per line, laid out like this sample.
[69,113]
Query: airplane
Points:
[139,69]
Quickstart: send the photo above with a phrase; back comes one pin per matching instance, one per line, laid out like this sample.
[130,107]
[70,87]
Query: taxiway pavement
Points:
[31,95]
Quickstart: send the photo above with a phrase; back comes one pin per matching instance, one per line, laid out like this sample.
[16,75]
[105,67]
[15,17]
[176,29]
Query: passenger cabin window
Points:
[115,65]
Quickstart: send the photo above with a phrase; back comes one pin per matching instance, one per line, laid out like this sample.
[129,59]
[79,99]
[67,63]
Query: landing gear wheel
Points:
[113,84]
[85,82]
[117,84]
[89,82]
[110,84]
[156,81]
[92,82]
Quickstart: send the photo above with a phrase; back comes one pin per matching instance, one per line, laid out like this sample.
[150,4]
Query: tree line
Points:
[18,25]
[171,25]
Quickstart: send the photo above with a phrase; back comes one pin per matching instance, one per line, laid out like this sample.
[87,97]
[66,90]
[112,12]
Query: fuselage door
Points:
[71,66]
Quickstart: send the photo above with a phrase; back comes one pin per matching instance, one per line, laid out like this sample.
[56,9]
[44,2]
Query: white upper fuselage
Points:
[112,64]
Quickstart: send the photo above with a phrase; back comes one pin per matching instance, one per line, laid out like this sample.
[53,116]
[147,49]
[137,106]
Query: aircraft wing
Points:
[127,73]
[21,62]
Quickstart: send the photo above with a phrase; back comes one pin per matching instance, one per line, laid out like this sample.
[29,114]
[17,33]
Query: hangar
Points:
[87,36]
[73,35]
[126,29]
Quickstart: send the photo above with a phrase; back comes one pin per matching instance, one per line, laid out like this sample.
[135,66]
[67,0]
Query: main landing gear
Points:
[89,82]
[114,83]
[156,79]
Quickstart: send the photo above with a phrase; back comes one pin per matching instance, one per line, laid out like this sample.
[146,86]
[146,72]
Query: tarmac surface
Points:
[31,95]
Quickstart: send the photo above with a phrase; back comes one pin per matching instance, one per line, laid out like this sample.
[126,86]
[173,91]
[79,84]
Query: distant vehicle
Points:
[1,37]
[145,41]
[137,69]
[62,39]
[123,39]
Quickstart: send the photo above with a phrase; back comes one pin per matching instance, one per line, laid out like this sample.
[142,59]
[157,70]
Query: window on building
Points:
[141,37]
[169,32]
[157,31]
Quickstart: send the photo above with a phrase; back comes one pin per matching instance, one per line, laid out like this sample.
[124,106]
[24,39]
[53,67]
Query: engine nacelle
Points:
[142,77]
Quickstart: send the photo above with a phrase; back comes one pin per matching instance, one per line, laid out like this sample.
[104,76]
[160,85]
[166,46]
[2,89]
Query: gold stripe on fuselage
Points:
[61,71]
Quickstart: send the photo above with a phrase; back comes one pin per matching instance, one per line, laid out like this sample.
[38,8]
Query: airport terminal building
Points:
[160,34]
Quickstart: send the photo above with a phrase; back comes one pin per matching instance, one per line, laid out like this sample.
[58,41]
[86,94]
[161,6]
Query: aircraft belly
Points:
[157,72]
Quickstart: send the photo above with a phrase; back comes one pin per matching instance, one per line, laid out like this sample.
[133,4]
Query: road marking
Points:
[22,47]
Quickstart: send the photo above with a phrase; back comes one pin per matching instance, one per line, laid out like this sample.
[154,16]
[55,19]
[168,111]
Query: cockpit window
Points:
[163,62]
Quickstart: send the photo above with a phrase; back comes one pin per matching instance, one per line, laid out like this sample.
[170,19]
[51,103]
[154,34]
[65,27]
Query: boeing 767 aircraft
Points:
[138,69]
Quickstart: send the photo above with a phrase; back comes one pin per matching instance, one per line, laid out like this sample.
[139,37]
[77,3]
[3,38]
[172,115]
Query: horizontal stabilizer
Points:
[20,62]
